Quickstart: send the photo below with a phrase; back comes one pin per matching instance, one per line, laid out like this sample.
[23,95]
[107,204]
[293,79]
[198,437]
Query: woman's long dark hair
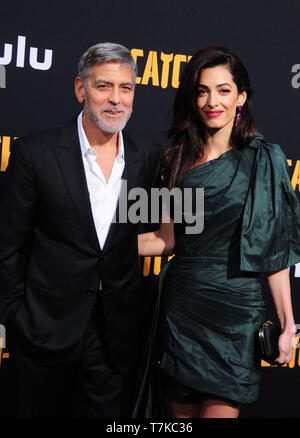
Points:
[188,133]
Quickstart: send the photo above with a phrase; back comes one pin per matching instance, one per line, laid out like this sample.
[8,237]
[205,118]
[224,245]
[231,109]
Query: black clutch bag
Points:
[267,341]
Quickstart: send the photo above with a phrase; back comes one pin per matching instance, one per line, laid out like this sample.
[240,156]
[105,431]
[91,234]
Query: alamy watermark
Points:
[3,344]
[2,336]
[2,77]
[296,77]
[183,206]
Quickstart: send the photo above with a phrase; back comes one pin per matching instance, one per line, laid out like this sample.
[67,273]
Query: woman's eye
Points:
[201,92]
[225,91]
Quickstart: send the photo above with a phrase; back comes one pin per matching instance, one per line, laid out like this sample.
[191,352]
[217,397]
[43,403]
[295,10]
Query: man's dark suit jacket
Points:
[51,264]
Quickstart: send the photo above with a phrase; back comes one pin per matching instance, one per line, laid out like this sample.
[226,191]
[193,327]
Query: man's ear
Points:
[79,90]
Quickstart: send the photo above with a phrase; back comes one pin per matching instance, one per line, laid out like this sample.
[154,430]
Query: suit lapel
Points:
[68,154]
[131,177]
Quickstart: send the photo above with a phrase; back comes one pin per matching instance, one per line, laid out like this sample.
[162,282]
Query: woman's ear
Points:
[242,98]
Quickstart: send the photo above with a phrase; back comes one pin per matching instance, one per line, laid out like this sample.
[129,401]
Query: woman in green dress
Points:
[212,302]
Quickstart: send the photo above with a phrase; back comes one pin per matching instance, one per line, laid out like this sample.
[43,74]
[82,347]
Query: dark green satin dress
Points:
[212,301]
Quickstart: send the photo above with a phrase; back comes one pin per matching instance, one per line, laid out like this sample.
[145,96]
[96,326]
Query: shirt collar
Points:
[85,146]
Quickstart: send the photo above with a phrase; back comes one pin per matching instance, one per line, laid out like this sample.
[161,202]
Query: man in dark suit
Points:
[70,280]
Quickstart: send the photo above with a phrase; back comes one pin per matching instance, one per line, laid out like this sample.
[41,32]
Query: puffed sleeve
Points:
[270,238]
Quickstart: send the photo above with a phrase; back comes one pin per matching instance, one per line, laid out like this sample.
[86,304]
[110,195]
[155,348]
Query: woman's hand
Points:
[279,283]
[286,344]
[160,242]
[157,243]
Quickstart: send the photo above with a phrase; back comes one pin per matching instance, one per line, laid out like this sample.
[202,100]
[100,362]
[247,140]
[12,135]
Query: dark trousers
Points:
[87,385]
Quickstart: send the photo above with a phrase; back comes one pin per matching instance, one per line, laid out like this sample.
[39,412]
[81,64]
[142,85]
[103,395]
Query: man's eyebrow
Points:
[128,83]
[104,81]
[219,85]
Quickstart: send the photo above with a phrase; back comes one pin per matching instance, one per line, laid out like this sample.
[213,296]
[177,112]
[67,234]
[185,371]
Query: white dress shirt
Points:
[103,195]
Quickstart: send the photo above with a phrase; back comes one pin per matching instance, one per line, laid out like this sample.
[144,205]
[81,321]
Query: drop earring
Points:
[238,116]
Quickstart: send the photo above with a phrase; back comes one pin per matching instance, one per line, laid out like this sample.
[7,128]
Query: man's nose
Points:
[114,96]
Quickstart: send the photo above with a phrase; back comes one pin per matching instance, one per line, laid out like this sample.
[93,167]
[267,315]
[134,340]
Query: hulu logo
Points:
[22,53]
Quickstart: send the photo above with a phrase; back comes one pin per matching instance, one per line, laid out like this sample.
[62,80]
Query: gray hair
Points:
[105,52]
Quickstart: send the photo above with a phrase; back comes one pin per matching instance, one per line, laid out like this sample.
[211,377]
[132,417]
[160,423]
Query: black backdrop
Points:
[37,91]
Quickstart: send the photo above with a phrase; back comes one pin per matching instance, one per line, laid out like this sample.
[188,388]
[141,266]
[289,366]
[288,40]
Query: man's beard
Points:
[105,127]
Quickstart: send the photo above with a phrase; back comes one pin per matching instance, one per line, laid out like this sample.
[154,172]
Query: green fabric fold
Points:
[270,239]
